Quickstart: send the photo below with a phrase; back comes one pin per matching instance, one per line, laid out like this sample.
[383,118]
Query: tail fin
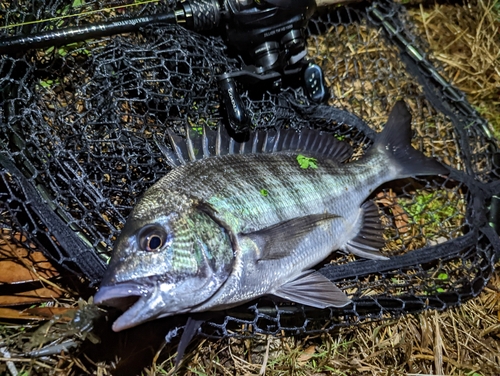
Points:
[395,142]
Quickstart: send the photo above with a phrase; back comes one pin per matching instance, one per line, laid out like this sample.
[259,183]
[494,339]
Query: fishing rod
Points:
[183,14]
[269,34]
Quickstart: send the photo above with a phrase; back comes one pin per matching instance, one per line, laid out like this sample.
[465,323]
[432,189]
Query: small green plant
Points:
[397,281]
[307,162]
[493,117]
[46,83]
[442,281]
[198,130]
[264,192]
[339,137]
[433,210]
[472,373]
[443,276]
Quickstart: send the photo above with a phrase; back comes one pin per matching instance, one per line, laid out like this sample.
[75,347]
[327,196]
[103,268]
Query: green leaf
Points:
[62,51]
[307,162]
[264,192]
[64,11]
[46,84]
[443,276]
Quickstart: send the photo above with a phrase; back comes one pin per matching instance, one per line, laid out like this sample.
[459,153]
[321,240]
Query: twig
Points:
[10,364]
[266,358]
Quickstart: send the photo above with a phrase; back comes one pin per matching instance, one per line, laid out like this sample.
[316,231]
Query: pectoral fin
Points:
[313,289]
[276,241]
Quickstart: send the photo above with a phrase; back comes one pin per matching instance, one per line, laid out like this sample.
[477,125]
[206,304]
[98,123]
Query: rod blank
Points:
[12,45]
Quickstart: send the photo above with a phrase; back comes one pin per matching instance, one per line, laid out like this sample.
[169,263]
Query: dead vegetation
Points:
[462,341]
[465,40]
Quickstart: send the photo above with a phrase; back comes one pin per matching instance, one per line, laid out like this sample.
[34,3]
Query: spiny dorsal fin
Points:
[208,143]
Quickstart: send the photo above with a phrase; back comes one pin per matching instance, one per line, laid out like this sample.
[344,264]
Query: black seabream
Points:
[233,222]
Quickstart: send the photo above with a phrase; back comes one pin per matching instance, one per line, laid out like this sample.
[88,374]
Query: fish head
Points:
[165,264]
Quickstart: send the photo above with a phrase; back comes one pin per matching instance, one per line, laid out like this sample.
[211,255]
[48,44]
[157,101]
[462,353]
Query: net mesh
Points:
[80,127]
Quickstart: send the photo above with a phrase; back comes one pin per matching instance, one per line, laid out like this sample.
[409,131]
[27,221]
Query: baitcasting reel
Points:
[270,34]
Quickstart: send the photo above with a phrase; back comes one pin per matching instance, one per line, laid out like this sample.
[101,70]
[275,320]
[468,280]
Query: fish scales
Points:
[231,227]
[229,183]
[310,195]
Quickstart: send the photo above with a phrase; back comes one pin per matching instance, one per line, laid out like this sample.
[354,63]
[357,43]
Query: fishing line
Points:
[58,18]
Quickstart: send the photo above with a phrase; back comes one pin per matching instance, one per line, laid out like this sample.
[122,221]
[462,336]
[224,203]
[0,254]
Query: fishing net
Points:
[81,127]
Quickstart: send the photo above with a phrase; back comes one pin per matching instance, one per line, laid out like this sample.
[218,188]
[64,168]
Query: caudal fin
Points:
[395,142]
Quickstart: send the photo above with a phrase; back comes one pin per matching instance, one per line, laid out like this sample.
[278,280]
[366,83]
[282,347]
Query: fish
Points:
[232,222]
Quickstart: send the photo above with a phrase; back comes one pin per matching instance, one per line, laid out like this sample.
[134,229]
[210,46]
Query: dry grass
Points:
[465,39]
[461,341]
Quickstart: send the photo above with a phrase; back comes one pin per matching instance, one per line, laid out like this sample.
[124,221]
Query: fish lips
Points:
[127,297]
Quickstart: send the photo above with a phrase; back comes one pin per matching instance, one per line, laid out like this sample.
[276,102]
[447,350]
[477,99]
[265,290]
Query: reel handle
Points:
[238,122]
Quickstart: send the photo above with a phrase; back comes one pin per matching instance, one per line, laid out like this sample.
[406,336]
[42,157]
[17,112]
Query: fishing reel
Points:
[268,34]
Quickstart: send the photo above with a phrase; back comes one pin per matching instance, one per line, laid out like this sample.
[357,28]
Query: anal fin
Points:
[313,289]
[369,240]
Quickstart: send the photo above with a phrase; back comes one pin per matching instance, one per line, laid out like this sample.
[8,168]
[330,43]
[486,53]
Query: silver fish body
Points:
[223,230]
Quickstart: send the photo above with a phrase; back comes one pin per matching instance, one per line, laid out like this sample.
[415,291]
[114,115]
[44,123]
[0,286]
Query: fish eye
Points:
[152,238]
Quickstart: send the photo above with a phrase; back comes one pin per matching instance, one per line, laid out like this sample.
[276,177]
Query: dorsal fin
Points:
[208,143]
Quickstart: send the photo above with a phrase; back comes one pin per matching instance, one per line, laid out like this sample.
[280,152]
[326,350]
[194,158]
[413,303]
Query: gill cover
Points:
[164,264]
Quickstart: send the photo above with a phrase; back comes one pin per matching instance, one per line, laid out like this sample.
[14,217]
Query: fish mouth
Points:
[130,298]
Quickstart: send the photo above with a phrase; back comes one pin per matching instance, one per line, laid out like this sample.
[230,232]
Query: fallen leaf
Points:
[307,354]
[34,296]
[38,313]
[389,199]
[19,265]
[9,313]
